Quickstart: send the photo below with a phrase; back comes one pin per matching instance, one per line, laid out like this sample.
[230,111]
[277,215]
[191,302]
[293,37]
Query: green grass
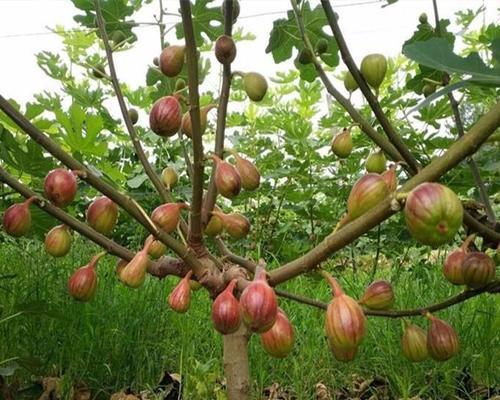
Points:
[129,337]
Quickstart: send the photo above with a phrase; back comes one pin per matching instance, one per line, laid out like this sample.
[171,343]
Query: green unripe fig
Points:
[236,9]
[156,61]
[305,56]
[180,84]
[99,71]
[133,115]
[349,83]
[423,18]
[321,46]
[428,89]
[342,144]
[375,162]
[118,37]
[255,85]
[374,68]
[169,177]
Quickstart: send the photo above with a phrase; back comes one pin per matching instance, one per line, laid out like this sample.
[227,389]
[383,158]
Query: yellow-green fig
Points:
[374,68]
[376,162]
[169,177]
[414,343]
[349,82]
[342,144]
[255,85]
[58,241]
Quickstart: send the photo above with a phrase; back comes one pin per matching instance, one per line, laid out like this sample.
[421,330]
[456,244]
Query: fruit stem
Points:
[433,81]
[30,200]
[401,197]
[465,245]
[336,289]
[428,315]
[79,173]
[96,258]
[231,285]
[187,277]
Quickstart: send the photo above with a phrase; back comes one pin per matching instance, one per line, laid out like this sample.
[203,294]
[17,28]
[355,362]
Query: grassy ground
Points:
[129,337]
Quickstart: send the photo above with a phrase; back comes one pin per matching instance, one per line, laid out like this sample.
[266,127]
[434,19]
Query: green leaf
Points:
[206,20]
[285,36]
[438,54]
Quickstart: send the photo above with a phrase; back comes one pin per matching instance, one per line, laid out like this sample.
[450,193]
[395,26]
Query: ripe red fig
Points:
[259,306]
[378,296]
[235,224]
[374,68]
[58,241]
[442,340]
[452,268]
[343,355]
[342,144]
[375,162]
[214,226]
[169,177]
[172,60]
[349,82]
[345,322]
[278,341]
[60,187]
[17,218]
[414,343]
[390,177]
[249,174]
[433,213]
[134,273]
[225,49]
[165,116]
[180,298]
[255,85]
[186,126]
[167,215]
[83,283]
[227,178]
[478,269]
[102,215]
[157,249]
[366,193]
[226,310]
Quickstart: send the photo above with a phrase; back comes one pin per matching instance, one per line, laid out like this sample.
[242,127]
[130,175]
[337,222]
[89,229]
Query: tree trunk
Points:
[236,364]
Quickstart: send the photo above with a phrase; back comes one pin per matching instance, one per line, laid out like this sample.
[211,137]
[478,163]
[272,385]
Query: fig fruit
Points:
[349,82]
[259,306]
[156,61]
[98,71]
[442,340]
[235,11]
[278,341]
[169,177]
[452,268]
[17,218]
[423,18]
[134,273]
[214,226]
[180,84]
[342,144]
[414,343]
[428,89]
[390,177]
[83,283]
[227,178]
[157,249]
[249,174]
[180,298]
[321,46]
[342,355]
[58,241]
[255,85]
[378,296]
[186,126]
[305,56]
[225,49]
[118,37]
[120,265]
[365,194]
[172,60]
[374,68]
[433,213]
[375,162]
[167,216]
[102,215]
[133,115]
[60,187]
[226,311]
[235,224]
[165,117]
[345,322]
[478,269]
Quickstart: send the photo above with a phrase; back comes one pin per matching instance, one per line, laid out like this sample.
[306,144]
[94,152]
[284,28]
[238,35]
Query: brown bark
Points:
[236,366]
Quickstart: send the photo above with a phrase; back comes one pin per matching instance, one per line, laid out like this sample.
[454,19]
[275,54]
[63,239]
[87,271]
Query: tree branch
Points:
[457,152]
[195,229]
[209,204]
[370,97]
[163,267]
